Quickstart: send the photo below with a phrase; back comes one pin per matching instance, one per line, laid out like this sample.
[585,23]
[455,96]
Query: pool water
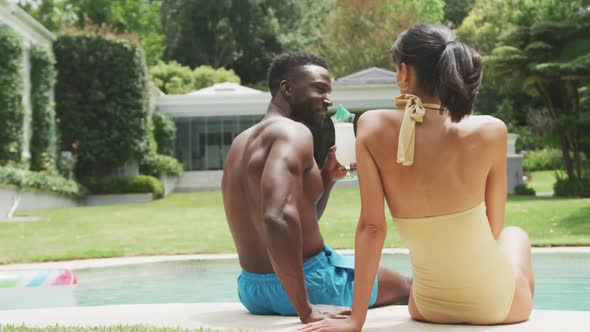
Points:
[562,282]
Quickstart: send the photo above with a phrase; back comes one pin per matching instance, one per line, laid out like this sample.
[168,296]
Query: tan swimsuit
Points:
[460,274]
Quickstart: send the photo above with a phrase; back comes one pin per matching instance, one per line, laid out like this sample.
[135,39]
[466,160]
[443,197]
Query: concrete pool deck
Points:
[232,316]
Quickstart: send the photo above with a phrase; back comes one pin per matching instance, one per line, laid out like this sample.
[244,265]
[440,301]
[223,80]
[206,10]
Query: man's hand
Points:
[332,169]
[322,311]
[346,325]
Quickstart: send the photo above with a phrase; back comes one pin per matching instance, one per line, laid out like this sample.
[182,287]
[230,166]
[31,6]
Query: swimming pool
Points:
[562,282]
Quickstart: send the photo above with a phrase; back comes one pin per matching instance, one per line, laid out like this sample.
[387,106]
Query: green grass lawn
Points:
[542,181]
[195,223]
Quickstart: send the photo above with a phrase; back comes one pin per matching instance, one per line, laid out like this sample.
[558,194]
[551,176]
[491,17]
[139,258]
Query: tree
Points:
[358,34]
[456,11]
[490,18]
[239,35]
[141,17]
[552,59]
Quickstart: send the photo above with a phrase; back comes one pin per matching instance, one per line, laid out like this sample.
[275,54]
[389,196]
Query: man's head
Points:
[303,81]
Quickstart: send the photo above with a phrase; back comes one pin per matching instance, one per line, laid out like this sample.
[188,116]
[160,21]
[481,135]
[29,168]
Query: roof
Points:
[225,88]
[369,76]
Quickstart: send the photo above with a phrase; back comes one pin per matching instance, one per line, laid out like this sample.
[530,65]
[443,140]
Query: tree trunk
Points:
[563,141]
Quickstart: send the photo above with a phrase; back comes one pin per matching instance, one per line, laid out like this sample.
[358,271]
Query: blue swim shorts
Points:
[329,278]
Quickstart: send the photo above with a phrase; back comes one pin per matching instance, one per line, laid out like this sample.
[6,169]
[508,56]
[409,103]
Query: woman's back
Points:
[451,162]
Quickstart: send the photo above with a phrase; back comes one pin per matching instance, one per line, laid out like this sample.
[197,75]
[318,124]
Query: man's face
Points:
[311,97]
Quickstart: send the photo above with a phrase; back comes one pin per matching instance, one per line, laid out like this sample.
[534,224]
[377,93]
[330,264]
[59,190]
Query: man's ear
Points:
[287,88]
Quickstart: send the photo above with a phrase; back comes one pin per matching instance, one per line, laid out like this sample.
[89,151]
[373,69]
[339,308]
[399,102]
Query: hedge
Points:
[125,185]
[102,101]
[11,95]
[542,160]
[43,139]
[24,179]
[164,133]
[158,165]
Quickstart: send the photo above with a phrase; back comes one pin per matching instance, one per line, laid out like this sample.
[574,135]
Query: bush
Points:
[43,140]
[164,133]
[524,190]
[11,96]
[24,179]
[576,187]
[174,78]
[102,101]
[205,76]
[542,160]
[125,185]
[158,165]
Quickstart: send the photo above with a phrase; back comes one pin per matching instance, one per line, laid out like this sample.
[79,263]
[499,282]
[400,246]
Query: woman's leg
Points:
[516,245]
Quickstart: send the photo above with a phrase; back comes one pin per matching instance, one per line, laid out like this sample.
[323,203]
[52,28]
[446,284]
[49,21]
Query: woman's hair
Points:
[444,66]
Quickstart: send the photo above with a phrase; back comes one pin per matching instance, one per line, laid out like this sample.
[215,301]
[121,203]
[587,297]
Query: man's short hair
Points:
[284,66]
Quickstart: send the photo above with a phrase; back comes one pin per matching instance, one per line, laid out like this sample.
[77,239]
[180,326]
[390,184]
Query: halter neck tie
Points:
[414,112]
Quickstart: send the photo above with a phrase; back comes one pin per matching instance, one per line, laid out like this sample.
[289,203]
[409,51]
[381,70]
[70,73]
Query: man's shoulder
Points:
[281,128]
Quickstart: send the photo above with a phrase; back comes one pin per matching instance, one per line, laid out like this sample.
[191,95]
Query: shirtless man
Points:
[274,194]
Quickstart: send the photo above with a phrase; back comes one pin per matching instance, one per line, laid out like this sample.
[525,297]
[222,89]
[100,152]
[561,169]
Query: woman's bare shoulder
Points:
[374,123]
[485,127]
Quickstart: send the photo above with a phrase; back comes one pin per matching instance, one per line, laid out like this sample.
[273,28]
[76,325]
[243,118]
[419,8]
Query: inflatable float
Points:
[20,289]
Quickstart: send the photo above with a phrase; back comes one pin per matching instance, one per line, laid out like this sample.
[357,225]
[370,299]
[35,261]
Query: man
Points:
[274,194]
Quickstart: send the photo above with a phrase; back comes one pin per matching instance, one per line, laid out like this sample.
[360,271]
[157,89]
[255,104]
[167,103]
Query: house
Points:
[209,119]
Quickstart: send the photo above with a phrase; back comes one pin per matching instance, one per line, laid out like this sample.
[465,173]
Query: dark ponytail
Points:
[459,75]
[443,65]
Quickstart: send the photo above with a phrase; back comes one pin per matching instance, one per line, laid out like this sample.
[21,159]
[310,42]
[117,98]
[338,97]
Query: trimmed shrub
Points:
[11,96]
[102,101]
[174,78]
[24,179]
[576,187]
[43,140]
[205,76]
[158,165]
[542,160]
[125,185]
[524,190]
[164,133]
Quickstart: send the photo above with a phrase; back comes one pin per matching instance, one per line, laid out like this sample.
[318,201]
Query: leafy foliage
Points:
[158,165]
[358,34]
[102,101]
[43,140]
[542,160]
[24,179]
[125,185]
[140,17]
[164,133]
[11,95]
[242,35]
[174,78]
[552,60]
[572,187]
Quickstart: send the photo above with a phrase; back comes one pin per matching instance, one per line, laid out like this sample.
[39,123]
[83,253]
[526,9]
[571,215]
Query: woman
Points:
[445,188]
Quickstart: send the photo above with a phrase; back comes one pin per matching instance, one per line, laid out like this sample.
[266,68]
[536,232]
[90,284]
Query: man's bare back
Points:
[242,190]
[274,193]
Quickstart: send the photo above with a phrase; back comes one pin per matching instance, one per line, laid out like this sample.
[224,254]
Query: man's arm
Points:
[281,186]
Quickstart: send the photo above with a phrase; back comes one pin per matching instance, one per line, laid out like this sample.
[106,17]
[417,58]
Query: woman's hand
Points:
[347,325]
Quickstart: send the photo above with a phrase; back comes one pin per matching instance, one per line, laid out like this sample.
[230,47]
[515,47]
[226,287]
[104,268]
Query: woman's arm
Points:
[495,195]
[370,232]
